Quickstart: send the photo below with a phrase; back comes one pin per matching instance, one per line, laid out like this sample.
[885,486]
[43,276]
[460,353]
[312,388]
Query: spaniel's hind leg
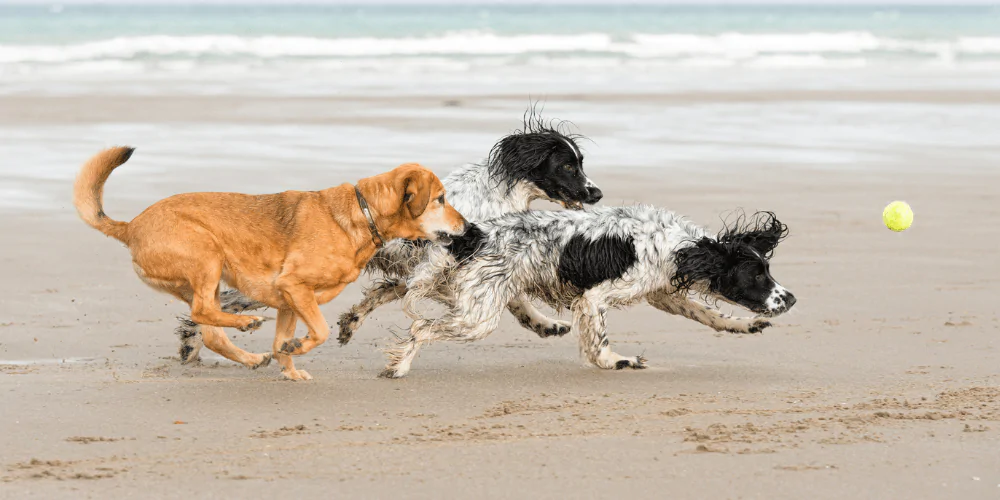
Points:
[401,355]
[422,331]
[590,323]
[470,320]
[189,334]
[476,306]
[719,321]
[375,297]
[533,319]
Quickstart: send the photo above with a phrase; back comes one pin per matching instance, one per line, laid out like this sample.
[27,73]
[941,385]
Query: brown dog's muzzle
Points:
[462,226]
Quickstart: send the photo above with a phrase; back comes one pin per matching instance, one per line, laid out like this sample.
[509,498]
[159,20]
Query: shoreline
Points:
[28,109]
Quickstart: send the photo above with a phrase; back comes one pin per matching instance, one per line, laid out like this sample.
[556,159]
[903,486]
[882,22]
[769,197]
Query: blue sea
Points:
[266,98]
[329,49]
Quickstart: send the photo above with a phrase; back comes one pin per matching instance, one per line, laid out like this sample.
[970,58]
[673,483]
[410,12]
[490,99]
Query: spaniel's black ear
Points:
[706,260]
[517,156]
[762,232]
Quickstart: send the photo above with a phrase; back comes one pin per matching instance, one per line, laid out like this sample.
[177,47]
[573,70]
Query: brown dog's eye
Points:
[407,197]
[441,199]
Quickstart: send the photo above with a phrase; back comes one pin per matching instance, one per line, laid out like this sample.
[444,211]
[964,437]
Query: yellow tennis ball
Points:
[897,216]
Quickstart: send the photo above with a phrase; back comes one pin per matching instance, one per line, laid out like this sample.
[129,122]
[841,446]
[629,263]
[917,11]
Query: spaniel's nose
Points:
[594,195]
[789,301]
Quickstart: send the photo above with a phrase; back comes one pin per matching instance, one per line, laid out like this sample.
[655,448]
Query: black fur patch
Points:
[187,328]
[585,262]
[516,156]
[465,246]
[735,264]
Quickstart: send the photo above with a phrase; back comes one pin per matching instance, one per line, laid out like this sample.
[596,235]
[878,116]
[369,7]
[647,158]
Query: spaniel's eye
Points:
[761,279]
[441,199]
[568,167]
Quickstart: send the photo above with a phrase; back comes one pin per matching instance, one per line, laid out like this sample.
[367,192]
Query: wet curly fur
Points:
[589,262]
[761,232]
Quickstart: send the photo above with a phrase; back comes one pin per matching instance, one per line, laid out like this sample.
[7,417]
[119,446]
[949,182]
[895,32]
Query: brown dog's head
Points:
[410,203]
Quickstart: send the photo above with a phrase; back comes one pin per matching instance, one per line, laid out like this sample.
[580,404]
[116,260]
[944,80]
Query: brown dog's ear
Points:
[417,192]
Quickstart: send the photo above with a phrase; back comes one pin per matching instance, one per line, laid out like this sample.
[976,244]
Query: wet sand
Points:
[881,383]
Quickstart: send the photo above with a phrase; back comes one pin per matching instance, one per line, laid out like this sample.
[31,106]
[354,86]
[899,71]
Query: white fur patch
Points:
[776,300]
[573,149]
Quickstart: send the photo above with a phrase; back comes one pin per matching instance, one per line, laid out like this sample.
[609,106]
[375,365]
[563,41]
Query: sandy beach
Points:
[881,383]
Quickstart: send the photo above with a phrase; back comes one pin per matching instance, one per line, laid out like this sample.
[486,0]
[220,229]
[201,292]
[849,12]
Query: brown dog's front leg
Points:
[303,301]
[284,332]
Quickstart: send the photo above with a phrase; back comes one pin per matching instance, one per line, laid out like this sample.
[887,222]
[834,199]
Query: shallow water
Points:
[647,85]
[37,162]
[323,50]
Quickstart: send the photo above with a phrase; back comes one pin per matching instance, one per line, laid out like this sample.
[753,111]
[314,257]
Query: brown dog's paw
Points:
[295,375]
[255,323]
[264,361]
[290,346]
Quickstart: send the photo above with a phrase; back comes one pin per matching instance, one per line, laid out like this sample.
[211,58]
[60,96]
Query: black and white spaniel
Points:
[589,262]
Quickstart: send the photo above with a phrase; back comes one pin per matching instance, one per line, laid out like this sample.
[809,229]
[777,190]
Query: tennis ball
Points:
[897,216]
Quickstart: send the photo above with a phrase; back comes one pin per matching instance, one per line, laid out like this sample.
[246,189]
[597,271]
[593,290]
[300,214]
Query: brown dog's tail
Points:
[88,191]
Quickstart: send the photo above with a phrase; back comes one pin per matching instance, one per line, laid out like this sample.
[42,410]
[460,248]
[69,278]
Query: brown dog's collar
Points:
[376,238]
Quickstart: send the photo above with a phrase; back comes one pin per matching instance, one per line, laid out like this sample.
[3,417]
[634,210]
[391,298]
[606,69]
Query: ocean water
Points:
[655,88]
[328,49]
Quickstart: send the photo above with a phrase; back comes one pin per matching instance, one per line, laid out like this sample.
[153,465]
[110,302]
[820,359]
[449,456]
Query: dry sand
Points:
[881,383]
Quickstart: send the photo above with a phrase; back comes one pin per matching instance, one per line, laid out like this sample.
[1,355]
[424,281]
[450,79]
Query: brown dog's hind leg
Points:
[211,335]
[189,332]
[217,340]
[205,307]
[207,312]
[285,331]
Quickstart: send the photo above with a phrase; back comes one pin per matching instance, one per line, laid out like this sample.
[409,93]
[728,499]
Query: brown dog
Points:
[292,250]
